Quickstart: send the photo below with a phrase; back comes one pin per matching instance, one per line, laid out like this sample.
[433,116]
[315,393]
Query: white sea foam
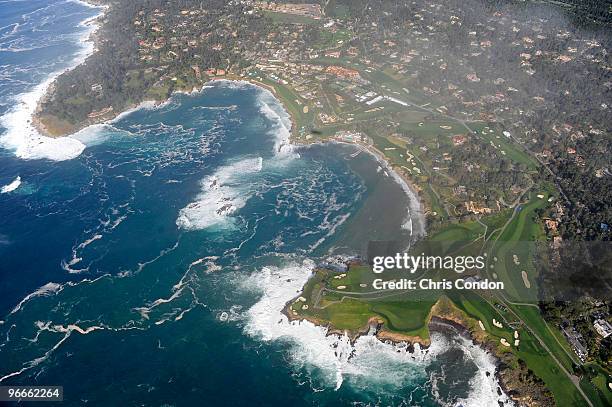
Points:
[270,107]
[484,388]
[145,105]
[266,322]
[45,290]
[230,84]
[76,259]
[92,135]
[208,265]
[12,186]
[230,187]
[334,360]
[86,4]
[37,361]
[25,141]
[223,193]
[274,111]
[22,137]
[331,228]
[333,357]
[414,207]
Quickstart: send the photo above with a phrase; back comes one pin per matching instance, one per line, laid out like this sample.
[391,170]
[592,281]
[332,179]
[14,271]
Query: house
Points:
[575,340]
[459,140]
[343,72]
[551,225]
[603,327]
[332,54]
[473,207]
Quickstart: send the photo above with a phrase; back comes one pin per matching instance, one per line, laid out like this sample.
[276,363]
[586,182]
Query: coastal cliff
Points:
[514,378]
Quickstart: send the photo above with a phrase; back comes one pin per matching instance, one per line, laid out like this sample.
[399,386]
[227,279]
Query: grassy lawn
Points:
[516,241]
[402,313]
[597,388]
[407,317]
[529,350]
[158,92]
[532,317]
[430,129]
[349,314]
[559,384]
[496,221]
[509,147]
[341,11]
[459,232]
[479,309]
[328,39]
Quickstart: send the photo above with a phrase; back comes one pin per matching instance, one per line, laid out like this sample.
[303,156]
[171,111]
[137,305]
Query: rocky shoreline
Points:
[48,125]
[510,380]
[375,326]
[51,126]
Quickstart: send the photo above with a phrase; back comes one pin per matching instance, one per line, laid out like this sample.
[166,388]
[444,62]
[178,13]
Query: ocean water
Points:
[146,261]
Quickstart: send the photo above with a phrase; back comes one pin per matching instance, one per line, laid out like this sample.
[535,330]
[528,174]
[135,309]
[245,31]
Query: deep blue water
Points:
[151,268]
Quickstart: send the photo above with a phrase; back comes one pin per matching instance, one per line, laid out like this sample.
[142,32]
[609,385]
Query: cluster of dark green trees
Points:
[117,76]
[574,291]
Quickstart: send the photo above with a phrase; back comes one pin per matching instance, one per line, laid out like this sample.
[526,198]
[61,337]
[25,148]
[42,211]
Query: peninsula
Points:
[497,116]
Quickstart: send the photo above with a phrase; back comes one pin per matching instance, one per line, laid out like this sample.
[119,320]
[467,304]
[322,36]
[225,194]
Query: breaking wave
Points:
[21,136]
[332,361]
[11,186]
[230,187]
[223,193]
[483,387]
[273,110]
[270,107]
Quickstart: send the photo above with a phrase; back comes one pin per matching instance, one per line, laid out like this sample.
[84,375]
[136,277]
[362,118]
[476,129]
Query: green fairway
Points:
[433,128]
[512,253]
[529,350]
[597,388]
[507,147]
[407,317]
[347,314]
[325,300]
[539,361]
[531,316]
[463,232]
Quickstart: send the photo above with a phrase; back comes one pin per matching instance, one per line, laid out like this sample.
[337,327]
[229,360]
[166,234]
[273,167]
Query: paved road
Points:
[574,379]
